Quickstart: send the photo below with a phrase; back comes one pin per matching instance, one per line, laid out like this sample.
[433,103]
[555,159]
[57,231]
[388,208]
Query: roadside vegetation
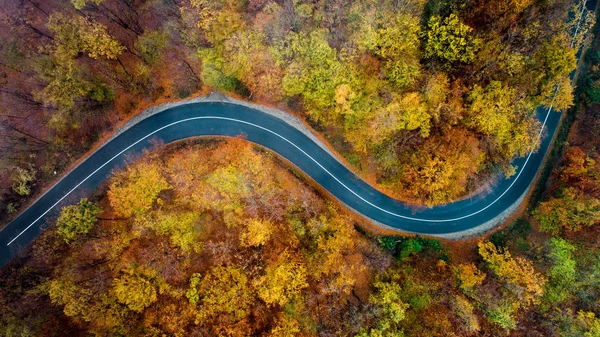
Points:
[428,100]
[216,237]
[231,242]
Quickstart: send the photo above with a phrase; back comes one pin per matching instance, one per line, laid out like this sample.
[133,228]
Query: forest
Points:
[232,242]
[429,100]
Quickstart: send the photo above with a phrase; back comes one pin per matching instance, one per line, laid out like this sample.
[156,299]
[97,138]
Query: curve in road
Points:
[230,120]
[188,120]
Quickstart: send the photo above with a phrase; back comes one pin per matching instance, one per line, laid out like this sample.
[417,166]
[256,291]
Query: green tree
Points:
[562,274]
[313,71]
[151,45]
[77,219]
[409,247]
[22,180]
[213,71]
[390,310]
[451,40]
[503,315]
[416,293]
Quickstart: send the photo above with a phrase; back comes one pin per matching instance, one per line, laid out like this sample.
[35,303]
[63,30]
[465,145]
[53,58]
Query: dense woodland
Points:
[428,99]
[232,242]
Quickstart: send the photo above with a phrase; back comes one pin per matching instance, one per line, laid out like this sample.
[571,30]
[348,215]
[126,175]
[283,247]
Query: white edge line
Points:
[316,162]
[285,139]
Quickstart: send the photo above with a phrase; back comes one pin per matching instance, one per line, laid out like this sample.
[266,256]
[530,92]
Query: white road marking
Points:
[285,139]
[321,166]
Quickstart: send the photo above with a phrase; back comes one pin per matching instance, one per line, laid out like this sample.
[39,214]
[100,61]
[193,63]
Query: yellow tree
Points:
[572,210]
[66,81]
[468,276]
[183,228]
[286,327]
[218,19]
[230,182]
[136,288]
[518,273]
[465,310]
[134,190]
[257,233]
[441,170]
[395,39]
[79,4]
[336,242]
[72,36]
[77,219]
[223,291]
[588,323]
[97,42]
[282,281]
[554,61]
[496,112]
[75,299]
[451,40]
[23,179]
[407,112]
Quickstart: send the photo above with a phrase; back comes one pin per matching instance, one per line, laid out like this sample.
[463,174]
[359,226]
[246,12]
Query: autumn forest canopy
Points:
[217,238]
[432,99]
[428,100]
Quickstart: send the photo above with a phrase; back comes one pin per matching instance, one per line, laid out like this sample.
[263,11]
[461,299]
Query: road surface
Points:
[230,119]
[455,219]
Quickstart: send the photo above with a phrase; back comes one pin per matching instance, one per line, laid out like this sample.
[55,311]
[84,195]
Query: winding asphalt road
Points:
[229,119]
